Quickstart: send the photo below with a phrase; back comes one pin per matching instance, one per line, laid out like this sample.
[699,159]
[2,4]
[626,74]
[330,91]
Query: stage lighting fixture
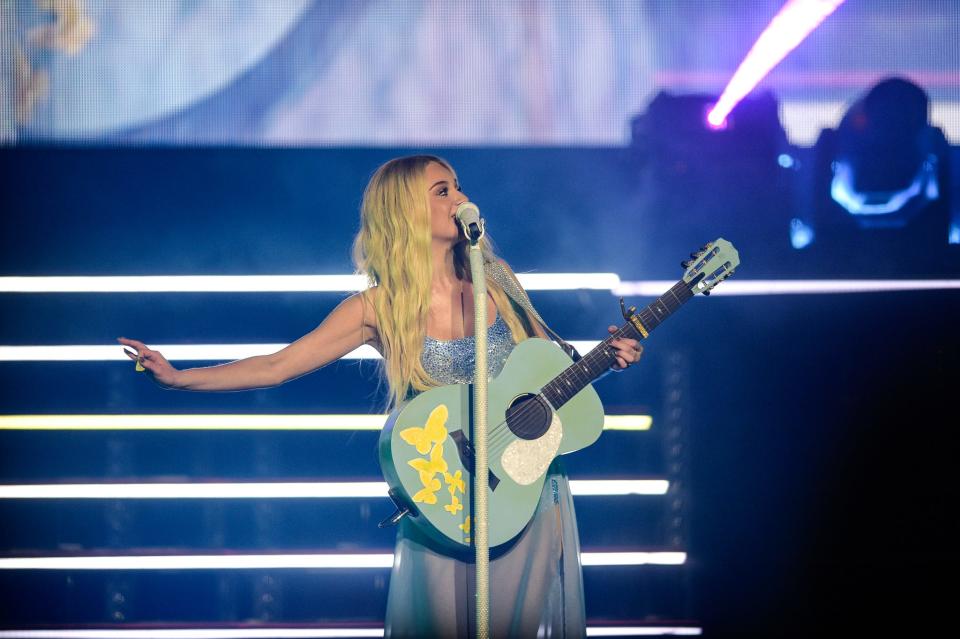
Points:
[880,191]
[675,134]
[887,157]
[727,180]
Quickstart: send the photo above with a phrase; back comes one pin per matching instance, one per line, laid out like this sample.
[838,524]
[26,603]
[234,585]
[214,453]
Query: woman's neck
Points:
[444,270]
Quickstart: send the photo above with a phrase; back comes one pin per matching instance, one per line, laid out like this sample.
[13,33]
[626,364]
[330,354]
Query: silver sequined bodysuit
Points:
[452,361]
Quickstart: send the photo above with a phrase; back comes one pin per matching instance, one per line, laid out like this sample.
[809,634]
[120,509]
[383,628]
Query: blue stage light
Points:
[879,205]
[801,234]
[886,167]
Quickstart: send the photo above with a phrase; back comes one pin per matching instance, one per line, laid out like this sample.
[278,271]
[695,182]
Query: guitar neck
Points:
[598,361]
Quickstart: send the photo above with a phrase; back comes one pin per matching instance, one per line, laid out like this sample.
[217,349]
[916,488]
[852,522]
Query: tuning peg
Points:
[686,263]
[706,293]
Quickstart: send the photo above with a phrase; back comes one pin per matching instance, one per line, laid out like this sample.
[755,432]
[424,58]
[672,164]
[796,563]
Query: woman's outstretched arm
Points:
[350,325]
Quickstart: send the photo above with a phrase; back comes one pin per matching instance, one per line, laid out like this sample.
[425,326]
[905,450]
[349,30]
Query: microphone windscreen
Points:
[468,213]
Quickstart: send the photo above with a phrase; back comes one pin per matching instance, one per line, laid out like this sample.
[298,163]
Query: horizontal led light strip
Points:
[642,631]
[348,283]
[793,287]
[241,422]
[261,562]
[264,283]
[261,632]
[174,352]
[284,490]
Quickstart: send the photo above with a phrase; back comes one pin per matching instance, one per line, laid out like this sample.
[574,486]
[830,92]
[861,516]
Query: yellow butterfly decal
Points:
[454,507]
[454,482]
[428,494]
[429,468]
[465,526]
[434,432]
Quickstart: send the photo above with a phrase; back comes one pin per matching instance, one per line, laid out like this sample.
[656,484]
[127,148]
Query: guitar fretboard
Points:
[599,360]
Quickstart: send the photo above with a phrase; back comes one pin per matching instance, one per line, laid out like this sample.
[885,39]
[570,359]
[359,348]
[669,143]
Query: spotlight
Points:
[881,186]
[682,134]
[719,177]
[887,157]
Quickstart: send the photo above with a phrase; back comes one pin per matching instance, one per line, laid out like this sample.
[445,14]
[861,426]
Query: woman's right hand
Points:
[160,370]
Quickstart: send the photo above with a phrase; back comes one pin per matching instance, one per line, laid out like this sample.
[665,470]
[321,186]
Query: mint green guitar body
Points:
[540,406]
[425,449]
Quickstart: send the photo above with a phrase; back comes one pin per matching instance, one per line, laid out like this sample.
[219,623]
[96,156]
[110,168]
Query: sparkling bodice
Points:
[452,361]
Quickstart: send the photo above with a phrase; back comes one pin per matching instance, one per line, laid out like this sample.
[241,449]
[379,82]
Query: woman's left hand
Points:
[628,351]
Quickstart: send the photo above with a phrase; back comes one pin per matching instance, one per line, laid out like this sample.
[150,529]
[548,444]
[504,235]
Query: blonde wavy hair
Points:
[392,249]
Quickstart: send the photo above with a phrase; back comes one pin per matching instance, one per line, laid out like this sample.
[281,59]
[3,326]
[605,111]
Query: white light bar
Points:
[793,287]
[200,562]
[184,284]
[195,633]
[178,352]
[194,422]
[284,561]
[241,422]
[263,283]
[261,632]
[633,558]
[284,490]
[221,490]
[173,352]
[584,487]
[346,283]
[642,631]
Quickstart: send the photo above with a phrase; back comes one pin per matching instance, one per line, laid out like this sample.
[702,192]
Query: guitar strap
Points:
[500,273]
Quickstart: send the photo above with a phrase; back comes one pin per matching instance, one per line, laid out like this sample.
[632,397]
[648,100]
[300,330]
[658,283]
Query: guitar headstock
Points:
[710,265]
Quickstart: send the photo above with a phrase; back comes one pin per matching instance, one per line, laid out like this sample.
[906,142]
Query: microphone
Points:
[468,215]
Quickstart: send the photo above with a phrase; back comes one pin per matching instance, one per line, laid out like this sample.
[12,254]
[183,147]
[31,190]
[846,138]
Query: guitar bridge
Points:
[465,450]
[404,508]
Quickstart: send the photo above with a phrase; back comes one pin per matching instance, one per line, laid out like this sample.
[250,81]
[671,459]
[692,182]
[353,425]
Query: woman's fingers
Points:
[150,361]
[628,351]
[143,356]
[139,346]
[142,351]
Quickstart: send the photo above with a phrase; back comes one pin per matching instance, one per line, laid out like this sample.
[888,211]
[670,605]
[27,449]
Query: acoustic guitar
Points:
[540,406]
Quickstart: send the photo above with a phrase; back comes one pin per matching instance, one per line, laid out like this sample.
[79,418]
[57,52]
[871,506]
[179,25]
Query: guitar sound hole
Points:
[529,416]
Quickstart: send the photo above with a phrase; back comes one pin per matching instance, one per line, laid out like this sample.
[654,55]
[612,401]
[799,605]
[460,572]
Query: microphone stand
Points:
[479,437]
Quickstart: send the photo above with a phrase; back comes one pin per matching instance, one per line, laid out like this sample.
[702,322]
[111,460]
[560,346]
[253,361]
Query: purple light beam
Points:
[795,21]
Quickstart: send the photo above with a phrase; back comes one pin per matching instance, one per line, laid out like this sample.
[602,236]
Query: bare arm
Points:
[349,326]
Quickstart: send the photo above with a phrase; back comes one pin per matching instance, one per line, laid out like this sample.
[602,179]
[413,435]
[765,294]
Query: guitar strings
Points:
[500,434]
